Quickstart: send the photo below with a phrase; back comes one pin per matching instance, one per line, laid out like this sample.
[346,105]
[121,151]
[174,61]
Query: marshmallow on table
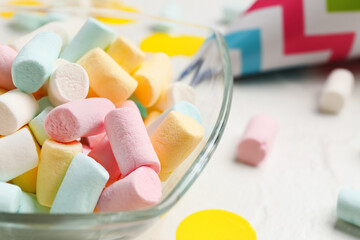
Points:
[107,78]
[337,90]
[175,92]
[348,206]
[153,76]
[151,117]
[182,107]
[104,155]
[129,141]
[76,119]
[81,188]
[10,197]
[33,65]
[126,54]
[171,10]
[16,110]
[257,139]
[67,83]
[18,154]
[55,27]
[140,189]
[37,126]
[55,160]
[92,34]
[7,56]
[174,140]
[29,204]
[91,141]
[44,102]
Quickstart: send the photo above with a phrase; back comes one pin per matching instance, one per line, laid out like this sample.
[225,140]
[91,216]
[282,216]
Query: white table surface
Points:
[293,194]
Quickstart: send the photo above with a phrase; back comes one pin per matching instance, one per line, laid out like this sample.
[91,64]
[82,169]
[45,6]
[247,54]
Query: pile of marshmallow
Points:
[71,141]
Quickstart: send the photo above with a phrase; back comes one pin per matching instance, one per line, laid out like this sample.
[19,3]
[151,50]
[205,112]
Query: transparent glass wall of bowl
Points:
[208,72]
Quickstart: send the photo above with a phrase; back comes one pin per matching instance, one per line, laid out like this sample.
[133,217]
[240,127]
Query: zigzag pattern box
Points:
[275,34]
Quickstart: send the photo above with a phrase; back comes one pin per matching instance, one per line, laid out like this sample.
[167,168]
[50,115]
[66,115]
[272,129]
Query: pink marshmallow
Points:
[91,141]
[7,56]
[129,141]
[79,118]
[140,189]
[128,103]
[86,149]
[103,154]
[257,140]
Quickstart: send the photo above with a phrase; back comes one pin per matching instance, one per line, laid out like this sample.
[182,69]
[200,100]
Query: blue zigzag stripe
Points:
[249,44]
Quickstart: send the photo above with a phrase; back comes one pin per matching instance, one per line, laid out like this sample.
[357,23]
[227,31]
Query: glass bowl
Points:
[208,72]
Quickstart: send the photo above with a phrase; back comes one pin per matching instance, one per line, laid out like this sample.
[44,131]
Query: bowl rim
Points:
[184,183]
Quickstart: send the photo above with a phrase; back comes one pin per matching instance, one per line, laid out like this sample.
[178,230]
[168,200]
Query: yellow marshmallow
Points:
[153,75]
[2,91]
[27,180]
[126,54]
[151,117]
[55,160]
[174,140]
[107,78]
[91,94]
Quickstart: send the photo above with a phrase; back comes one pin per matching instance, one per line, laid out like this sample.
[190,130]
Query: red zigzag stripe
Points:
[294,31]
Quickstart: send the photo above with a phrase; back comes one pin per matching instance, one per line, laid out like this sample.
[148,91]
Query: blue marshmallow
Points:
[37,126]
[92,34]
[10,196]
[182,107]
[29,204]
[35,61]
[81,187]
[348,206]
[44,102]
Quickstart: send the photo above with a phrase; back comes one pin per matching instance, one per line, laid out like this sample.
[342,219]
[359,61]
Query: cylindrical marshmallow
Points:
[55,27]
[92,34]
[16,110]
[107,78]
[92,141]
[69,82]
[151,117]
[174,140]
[153,75]
[81,187]
[27,180]
[29,204]
[104,155]
[18,154]
[257,139]
[126,54]
[37,126]
[140,189]
[337,90]
[129,141]
[55,160]
[33,65]
[174,93]
[348,206]
[182,107]
[76,119]
[10,197]
[44,102]
[7,57]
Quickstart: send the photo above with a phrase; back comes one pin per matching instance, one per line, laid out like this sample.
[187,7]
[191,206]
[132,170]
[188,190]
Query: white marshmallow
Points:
[69,82]
[16,109]
[10,197]
[18,154]
[55,27]
[338,88]
[176,92]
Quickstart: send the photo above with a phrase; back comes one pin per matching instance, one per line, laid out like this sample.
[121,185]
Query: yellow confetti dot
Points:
[215,225]
[172,45]
[18,2]
[115,4]
[109,20]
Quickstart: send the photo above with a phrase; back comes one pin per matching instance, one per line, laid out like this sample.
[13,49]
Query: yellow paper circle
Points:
[215,225]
